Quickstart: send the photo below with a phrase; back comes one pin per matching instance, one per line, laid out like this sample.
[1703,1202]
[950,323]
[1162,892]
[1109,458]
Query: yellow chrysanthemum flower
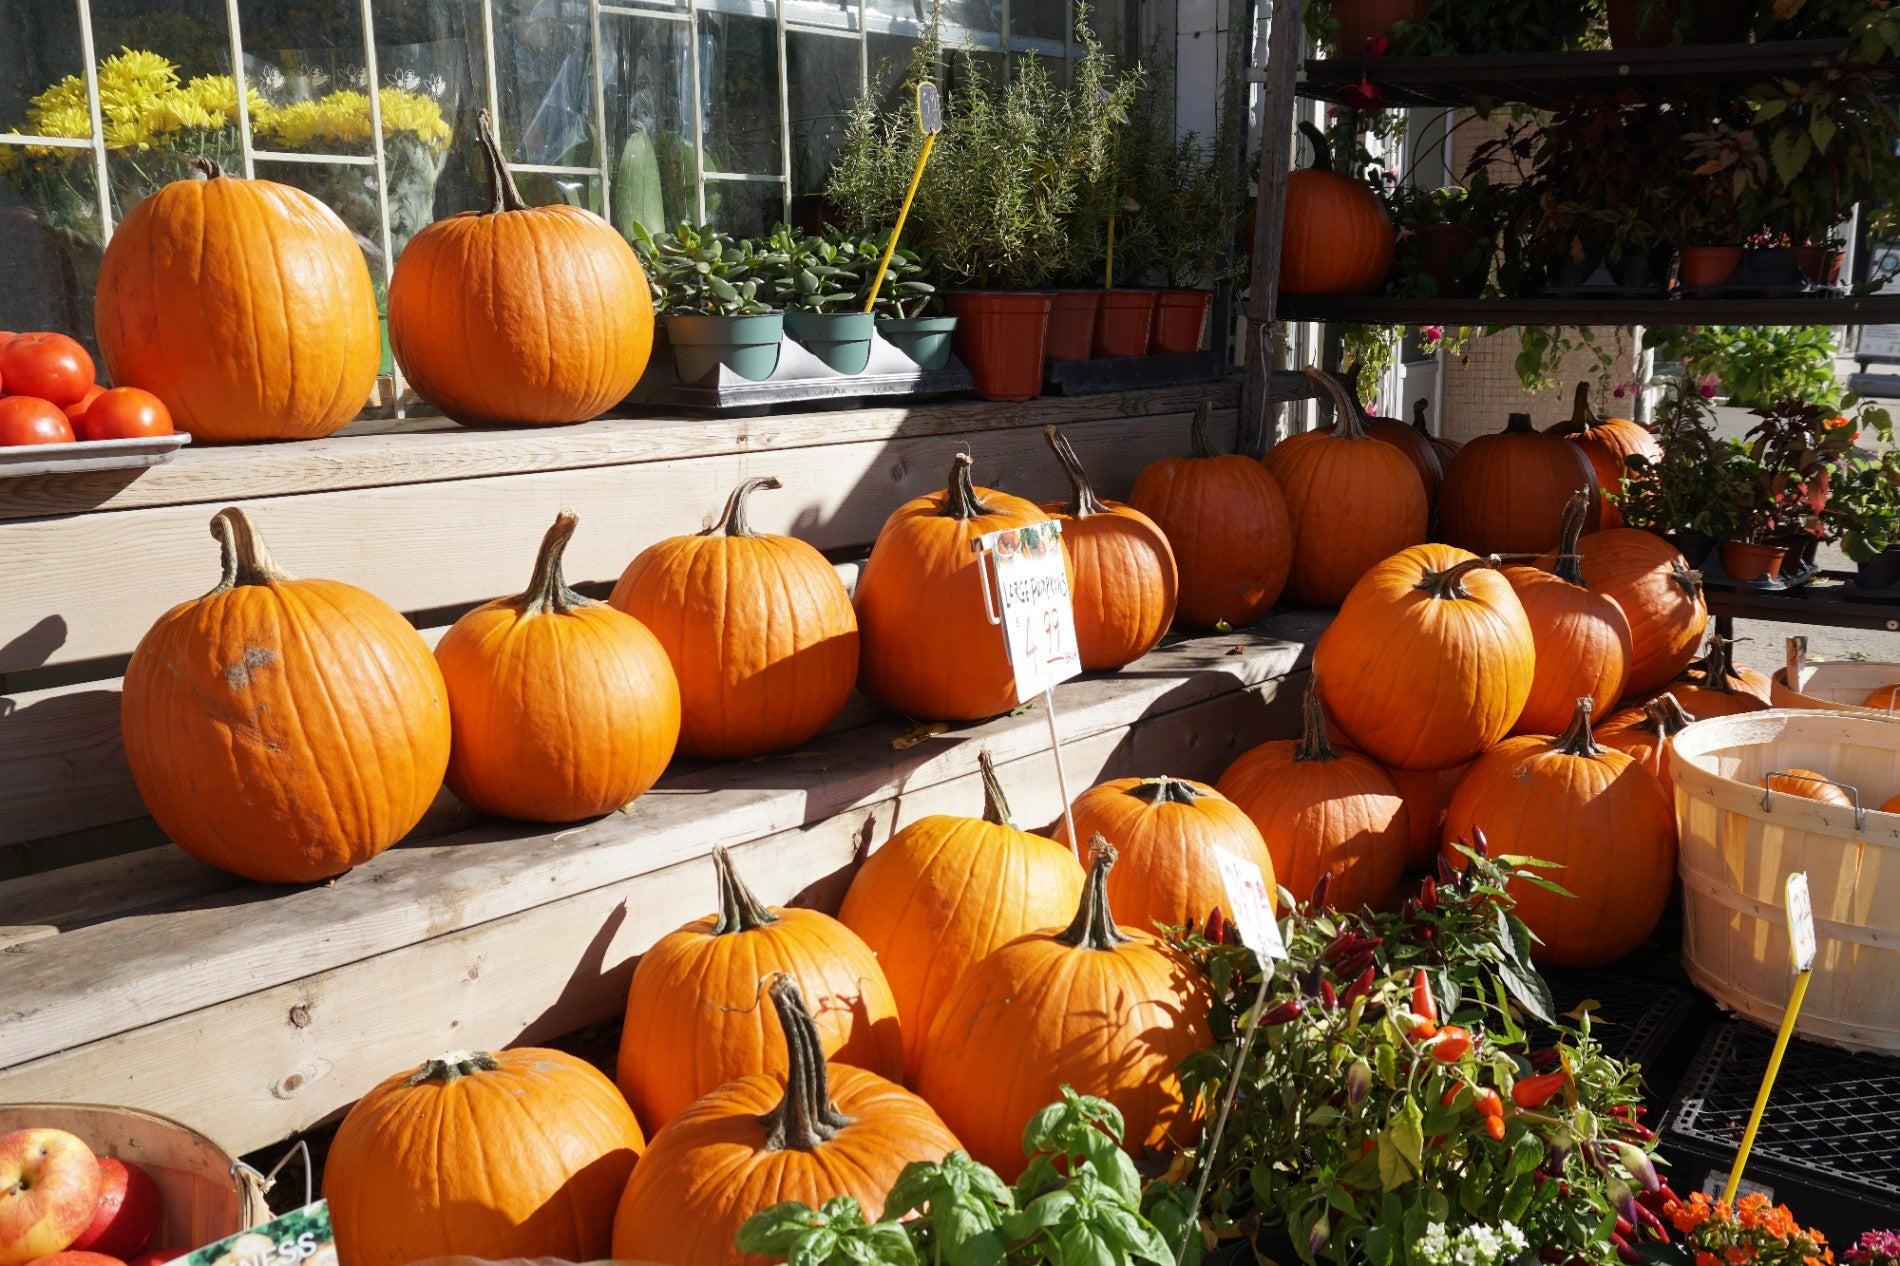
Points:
[9,159]
[295,126]
[341,118]
[413,112]
[68,94]
[65,121]
[216,95]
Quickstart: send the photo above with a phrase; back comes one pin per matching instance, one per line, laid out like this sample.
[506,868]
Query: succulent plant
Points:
[702,270]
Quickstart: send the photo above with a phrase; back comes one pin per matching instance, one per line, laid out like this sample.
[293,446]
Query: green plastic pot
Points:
[747,345]
[840,339]
[925,340]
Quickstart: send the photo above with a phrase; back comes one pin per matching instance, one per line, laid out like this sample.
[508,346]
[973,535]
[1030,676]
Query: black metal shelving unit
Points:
[1875,309]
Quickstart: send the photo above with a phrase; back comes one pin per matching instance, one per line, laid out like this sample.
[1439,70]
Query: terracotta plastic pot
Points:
[1180,320]
[1820,264]
[1446,255]
[1124,325]
[1072,324]
[1001,335]
[1707,265]
[1362,21]
[1744,560]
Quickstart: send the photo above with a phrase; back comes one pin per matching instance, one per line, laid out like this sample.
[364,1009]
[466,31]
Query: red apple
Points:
[75,1257]
[49,1187]
[156,1256]
[126,1215]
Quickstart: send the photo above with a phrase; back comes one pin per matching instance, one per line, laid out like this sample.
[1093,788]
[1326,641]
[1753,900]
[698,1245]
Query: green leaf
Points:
[1402,1148]
[772,1232]
[1821,130]
[1789,152]
[1516,972]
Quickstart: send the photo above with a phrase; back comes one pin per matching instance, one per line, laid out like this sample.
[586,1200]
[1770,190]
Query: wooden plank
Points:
[110,976]
[1276,157]
[313,1045]
[72,588]
[432,449]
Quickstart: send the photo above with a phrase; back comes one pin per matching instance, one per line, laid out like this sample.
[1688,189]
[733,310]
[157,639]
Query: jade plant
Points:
[906,292]
[818,274]
[701,270]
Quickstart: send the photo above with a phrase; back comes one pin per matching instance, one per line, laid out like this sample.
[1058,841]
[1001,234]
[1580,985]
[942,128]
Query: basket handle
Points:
[262,1184]
[1853,792]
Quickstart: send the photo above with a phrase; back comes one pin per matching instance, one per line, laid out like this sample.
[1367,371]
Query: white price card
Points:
[1032,581]
[1249,905]
[1800,921]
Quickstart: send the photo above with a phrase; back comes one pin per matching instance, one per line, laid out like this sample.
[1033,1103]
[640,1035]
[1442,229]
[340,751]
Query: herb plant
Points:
[1863,507]
[1756,365]
[701,270]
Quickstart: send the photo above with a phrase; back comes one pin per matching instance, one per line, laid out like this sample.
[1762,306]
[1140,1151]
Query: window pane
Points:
[748,208]
[429,53]
[1039,19]
[649,81]
[822,73]
[49,240]
[544,75]
[738,79]
[888,61]
[42,43]
[308,60]
[832,15]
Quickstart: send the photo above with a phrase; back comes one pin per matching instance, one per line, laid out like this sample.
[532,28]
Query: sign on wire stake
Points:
[1800,910]
[929,122]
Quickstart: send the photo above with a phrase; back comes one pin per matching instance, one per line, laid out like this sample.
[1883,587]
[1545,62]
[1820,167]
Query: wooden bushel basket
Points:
[1740,843]
[207,1193]
[1838,685]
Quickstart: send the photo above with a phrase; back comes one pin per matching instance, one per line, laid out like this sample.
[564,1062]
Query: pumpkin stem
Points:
[1450,583]
[1578,740]
[732,521]
[242,552]
[209,166]
[1198,445]
[1315,743]
[1418,417]
[806,1116]
[1349,420]
[1690,582]
[1665,716]
[995,803]
[503,196]
[1582,416]
[959,498]
[453,1065]
[1569,564]
[1082,499]
[1519,424]
[547,589]
[1094,924]
[739,910]
[1717,666]
[1166,790]
[1322,149]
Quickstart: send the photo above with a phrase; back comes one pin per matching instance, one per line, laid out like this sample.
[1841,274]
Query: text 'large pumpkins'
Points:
[282,729]
[520,314]
[244,305]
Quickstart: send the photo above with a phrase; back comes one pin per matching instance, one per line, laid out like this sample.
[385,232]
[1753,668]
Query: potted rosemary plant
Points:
[712,293]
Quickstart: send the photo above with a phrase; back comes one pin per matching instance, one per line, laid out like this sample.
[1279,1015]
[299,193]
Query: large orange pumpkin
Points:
[1660,596]
[1506,493]
[1809,785]
[1167,831]
[1426,792]
[562,707]
[1608,444]
[1429,660]
[928,649]
[1418,445]
[809,1134]
[1105,1009]
[1227,522]
[281,729]
[945,891]
[1125,580]
[520,314]
[1714,686]
[1594,811]
[1335,237]
[1644,734]
[1582,637]
[758,627]
[1323,812]
[1446,447]
[693,1022]
[516,1154]
[1321,471]
[244,305]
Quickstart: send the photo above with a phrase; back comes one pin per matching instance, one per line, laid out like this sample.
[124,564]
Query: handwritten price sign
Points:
[1250,906]
[1038,616]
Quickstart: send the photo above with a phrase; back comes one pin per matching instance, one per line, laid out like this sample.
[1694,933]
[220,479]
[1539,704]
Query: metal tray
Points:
[800,377]
[20,460]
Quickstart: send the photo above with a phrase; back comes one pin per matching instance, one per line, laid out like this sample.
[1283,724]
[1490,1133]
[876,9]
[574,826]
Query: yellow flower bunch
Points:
[342,118]
[141,102]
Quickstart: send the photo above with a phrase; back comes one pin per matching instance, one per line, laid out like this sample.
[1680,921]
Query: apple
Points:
[156,1256]
[75,1257]
[126,1215]
[49,1187]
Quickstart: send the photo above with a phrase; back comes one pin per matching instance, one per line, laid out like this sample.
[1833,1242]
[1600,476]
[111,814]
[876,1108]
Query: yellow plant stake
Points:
[930,119]
[1800,911]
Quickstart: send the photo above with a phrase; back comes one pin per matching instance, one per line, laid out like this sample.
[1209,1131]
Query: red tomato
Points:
[51,366]
[77,409]
[30,420]
[123,413]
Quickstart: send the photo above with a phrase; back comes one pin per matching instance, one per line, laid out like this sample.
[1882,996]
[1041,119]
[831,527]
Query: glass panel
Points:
[545,189]
[42,43]
[1039,19]
[50,244]
[308,60]
[965,63]
[738,78]
[429,53]
[832,15]
[650,136]
[822,74]
[908,15]
[888,58]
[748,208]
[544,74]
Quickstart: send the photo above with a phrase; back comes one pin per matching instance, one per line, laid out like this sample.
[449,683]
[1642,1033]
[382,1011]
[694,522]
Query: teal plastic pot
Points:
[840,339]
[747,345]
[925,340]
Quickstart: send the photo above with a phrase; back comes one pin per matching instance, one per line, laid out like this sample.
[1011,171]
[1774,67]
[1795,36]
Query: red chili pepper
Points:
[1328,996]
[1487,1102]
[1451,1044]
[1286,1011]
[1447,873]
[1480,845]
[1636,1131]
[1451,1094]
[1422,1005]
[1361,985]
[1543,1059]
[1350,945]
[1494,1126]
[1216,925]
[1535,1092]
[1353,966]
[1320,890]
[1428,894]
[1648,1218]
[1621,1111]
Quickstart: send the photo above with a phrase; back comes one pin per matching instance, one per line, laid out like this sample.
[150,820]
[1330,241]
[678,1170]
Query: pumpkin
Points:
[1415,443]
[562,708]
[1104,1009]
[1125,581]
[927,646]
[758,627]
[1659,595]
[811,1134]
[244,305]
[519,314]
[281,729]
[1425,792]
[1446,447]
[692,1022]
[1319,472]
[1809,785]
[1582,637]
[1714,687]
[437,1161]
[1884,698]
[1644,733]
[1167,831]
[1429,660]
[1594,811]
[1227,521]
[1608,444]
[945,891]
[1891,804]
[1506,493]
[1335,237]
[1323,812]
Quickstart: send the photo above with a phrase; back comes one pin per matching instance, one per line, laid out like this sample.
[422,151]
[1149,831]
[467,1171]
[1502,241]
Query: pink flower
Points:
[1364,96]
[1620,389]
[1708,384]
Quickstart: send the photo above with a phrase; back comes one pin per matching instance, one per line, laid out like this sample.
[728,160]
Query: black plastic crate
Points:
[1829,1144]
[1647,1012]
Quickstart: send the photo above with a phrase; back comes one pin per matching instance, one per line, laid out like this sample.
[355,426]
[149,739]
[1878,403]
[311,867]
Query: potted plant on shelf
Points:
[909,310]
[1801,448]
[1719,209]
[1655,23]
[1447,236]
[711,292]
[1740,513]
[819,284]
[1671,495]
[1355,28]
[1863,513]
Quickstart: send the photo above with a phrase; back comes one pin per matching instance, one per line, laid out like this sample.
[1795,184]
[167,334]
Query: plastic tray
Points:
[1647,1012]
[799,378]
[1131,373]
[21,460]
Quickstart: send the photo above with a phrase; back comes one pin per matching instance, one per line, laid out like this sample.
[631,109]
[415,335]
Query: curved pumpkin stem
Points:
[1690,582]
[995,803]
[1578,740]
[209,166]
[1082,499]
[1519,424]
[502,194]
[1450,583]
[739,910]
[959,497]
[1198,445]
[1419,407]
[732,521]
[242,553]
[452,1066]
[547,592]
[1094,924]
[1322,148]
[1717,666]
[1166,790]
[1349,419]
[1665,716]
[1315,743]
[806,1116]
[1569,564]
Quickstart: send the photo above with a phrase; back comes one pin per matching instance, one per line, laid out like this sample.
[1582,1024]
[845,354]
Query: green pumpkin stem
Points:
[452,1066]
[1094,924]
[995,803]
[1665,716]
[1082,499]
[1198,444]
[1166,790]
[959,499]
[241,552]
[739,910]
[1582,416]
[1315,743]
[1519,424]
[806,1116]
[1450,583]
[1569,564]
[1349,420]
[1578,740]
[1322,148]
[547,590]
[732,521]
[502,194]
